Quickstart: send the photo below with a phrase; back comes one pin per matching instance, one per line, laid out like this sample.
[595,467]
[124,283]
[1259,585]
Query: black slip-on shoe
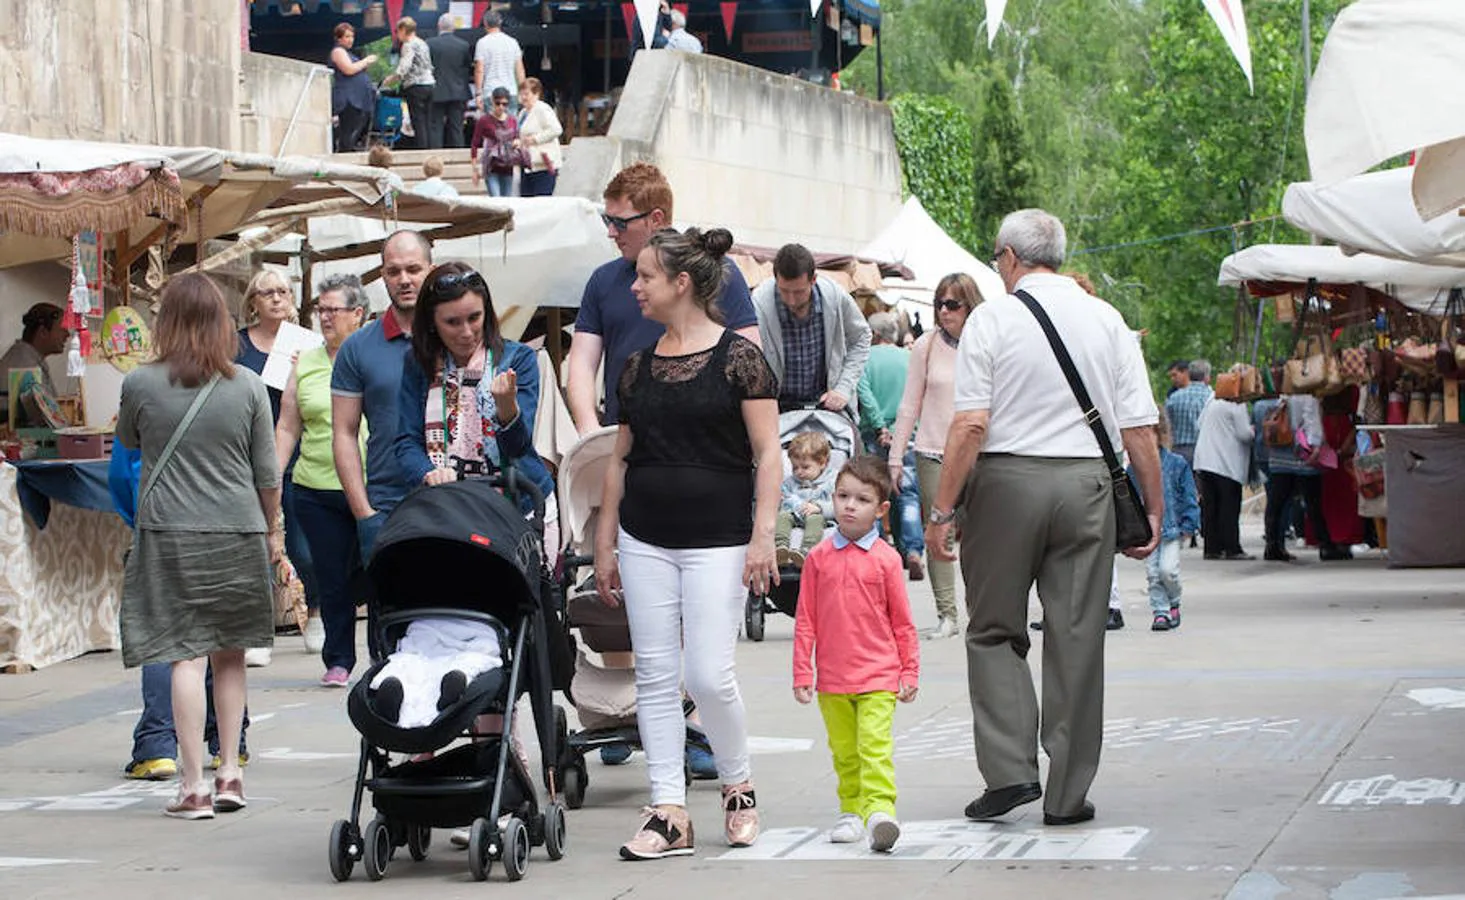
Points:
[1000,801]
[1084,814]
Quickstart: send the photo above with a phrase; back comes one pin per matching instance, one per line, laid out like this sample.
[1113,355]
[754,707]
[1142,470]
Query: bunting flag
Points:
[480,7]
[394,12]
[1231,19]
[681,8]
[729,14]
[814,7]
[995,9]
[628,13]
[647,12]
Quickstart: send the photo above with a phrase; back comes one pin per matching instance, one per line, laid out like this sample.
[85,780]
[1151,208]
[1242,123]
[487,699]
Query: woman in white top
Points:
[930,386]
[1222,454]
[539,138]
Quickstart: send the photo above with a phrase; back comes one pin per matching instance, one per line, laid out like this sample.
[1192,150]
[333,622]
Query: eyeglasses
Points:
[621,224]
[460,282]
[951,305]
[997,257]
[325,312]
[500,103]
[273,292]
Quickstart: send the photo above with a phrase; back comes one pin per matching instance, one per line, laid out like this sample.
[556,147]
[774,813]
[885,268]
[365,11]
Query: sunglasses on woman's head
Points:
[951,305]
[459,281]
[622,223]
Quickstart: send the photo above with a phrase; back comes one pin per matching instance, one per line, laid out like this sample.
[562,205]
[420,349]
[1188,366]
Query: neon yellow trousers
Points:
[860,740]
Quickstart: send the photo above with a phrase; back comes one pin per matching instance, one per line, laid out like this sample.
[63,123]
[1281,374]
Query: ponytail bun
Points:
[716,241]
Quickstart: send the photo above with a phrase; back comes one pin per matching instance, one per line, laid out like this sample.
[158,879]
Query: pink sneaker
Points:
[335,677]
[190,806]
[663,833]
[741,810]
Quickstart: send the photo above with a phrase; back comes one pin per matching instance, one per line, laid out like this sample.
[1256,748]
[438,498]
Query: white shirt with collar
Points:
[1005,365]
[864,543]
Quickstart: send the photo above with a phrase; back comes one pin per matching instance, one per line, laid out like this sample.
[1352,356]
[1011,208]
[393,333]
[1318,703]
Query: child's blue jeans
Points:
[1163,569]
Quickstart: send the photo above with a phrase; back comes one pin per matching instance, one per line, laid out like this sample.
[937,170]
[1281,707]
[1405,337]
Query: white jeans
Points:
[684,608]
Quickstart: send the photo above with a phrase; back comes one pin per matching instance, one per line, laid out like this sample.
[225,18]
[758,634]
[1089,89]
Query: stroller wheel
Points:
[376,848]
[573,781]
[419,838]
[345,846]
[516,848]
[753,618]
[554,830]
[480,849]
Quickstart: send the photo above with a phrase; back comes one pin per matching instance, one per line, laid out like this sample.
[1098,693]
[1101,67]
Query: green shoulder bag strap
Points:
[168,448]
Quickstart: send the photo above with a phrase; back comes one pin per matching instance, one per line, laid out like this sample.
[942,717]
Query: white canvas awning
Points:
[1374,213]
[1420,287]
[915,241]
[1385,86]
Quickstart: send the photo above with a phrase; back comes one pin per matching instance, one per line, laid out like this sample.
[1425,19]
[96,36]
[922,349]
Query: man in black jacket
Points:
[452,64]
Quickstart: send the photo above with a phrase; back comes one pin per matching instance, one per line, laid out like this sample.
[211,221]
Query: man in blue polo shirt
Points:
[610,327]
[365,380]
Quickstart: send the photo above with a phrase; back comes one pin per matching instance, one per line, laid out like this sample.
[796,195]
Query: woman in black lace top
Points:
[690,499]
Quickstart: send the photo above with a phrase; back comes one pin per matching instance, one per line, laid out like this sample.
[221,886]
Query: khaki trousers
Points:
[943,574]
[1050,521]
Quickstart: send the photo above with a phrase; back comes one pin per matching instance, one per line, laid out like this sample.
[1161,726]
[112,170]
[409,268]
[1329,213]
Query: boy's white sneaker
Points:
[884,832]
[848,830]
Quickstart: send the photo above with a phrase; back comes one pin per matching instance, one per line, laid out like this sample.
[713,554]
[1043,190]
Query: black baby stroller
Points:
[604,696]
[844,444]
[462,552]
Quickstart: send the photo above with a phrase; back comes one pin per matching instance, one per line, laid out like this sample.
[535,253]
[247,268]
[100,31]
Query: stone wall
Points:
[770,157]
[134,71]
[276,90]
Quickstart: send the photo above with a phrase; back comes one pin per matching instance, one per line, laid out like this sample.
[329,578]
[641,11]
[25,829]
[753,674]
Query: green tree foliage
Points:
[1132,122]
[935,140]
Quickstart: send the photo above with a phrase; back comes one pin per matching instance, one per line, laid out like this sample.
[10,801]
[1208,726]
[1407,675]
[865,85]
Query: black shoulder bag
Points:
[1131,524]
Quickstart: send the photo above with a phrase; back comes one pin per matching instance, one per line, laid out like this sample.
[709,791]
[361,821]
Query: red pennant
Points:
[628,12]
[394,12]
[479,8]
[729,13]
[682,8]
[84,340]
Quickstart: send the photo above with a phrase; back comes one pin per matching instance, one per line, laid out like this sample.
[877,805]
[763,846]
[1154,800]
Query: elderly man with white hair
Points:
[680,38]
[1038,505]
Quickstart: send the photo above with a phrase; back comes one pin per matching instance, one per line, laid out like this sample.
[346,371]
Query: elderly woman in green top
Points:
[320,503]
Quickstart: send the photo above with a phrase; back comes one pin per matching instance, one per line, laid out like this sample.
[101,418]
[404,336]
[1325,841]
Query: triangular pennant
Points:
[394,12]
[628,12]
[729,15]
[648,12]
[682,8]
[1231,19]
[479,8]
[814,7]
[995,10]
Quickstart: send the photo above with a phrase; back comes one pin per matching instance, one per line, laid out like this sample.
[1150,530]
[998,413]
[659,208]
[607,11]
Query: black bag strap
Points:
[1075,382]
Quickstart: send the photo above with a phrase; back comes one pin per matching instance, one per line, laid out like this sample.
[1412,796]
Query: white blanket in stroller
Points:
[430,649]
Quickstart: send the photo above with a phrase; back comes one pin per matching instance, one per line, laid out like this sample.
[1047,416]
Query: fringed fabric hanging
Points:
[59,205]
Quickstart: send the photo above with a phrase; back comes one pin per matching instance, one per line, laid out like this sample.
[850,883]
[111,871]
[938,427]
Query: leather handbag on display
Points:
[1252,387]
[1277,427]
[1228,385]
[1353,365]
[1415,357]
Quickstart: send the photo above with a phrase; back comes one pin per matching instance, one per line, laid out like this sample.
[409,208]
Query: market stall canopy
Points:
[543,255]
[1374,213]
[1383,88]
[140,195]
[915,241]
[1270,269]
[853,273]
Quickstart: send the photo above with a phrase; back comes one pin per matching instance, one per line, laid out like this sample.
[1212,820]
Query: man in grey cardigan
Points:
[812,332]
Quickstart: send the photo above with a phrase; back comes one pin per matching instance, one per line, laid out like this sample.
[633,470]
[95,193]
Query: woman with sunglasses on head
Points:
[930,386]
[495,132]
[321,509]
[468,396]
[692,518]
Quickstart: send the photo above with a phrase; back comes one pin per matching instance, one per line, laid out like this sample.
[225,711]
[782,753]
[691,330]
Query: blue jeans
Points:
[1163,570]
[153,738]
[326,521]
[296,546]
[500,184]
[910,531]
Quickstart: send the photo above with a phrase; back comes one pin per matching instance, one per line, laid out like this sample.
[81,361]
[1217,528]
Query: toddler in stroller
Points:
[455,566]
[801,431]
[603,690]
[807,500]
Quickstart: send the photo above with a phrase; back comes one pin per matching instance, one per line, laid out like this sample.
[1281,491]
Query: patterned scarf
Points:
[460,413]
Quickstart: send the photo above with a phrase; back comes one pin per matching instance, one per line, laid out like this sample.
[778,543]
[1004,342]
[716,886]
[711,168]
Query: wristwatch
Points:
[938,517]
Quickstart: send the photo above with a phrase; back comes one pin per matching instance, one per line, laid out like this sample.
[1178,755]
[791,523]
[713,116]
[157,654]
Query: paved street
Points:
[1303,735]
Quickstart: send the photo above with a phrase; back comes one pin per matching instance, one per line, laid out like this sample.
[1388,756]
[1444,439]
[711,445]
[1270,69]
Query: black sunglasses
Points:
[621,224]
[460,282]
[951,305]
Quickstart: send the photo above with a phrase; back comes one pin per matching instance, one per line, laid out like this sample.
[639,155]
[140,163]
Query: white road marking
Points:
[27,862]
[1438,698]
[286,754]
[1386,789]
[952,839]
[766,745]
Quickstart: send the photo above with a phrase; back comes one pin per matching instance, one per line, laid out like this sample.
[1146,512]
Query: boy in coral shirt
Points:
[855,616]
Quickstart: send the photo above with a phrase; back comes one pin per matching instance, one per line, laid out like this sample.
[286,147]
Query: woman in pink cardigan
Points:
[929,394]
